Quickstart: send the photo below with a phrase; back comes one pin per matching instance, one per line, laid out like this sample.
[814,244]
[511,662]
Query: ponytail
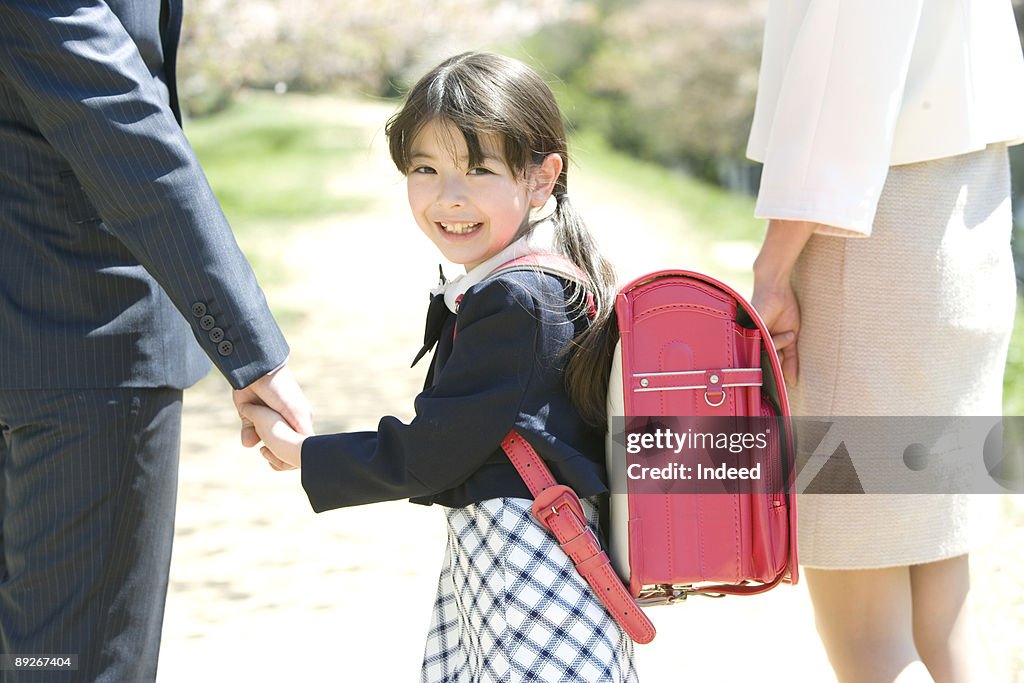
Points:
[589,353]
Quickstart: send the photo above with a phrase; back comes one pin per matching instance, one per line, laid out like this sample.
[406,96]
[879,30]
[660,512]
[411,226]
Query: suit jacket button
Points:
[225,348]
[216,335]
[207,322]
[199,309]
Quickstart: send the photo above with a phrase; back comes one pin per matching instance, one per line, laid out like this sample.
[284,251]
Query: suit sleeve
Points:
[834,101]
[97,104]
[459,422]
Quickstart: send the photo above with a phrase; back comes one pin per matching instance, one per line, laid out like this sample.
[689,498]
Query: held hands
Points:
[282,445]
[279,399]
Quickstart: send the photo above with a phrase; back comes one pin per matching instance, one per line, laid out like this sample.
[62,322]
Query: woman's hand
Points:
[282,445]
[780,311]
[774,298]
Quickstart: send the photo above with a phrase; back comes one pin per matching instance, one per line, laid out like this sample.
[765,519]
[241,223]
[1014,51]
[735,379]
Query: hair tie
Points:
[561,196]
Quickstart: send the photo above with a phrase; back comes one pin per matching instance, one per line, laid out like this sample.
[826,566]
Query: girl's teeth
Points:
[459,228]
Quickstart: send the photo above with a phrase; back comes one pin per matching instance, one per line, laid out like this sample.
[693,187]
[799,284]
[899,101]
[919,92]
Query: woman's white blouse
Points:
[849,87]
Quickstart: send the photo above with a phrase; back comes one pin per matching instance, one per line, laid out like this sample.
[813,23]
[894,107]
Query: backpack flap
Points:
[682,352]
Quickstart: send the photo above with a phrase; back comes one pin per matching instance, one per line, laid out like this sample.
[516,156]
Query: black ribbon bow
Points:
[437,314]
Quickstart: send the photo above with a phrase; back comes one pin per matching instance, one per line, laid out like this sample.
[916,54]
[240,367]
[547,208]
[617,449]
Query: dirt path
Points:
[264,590]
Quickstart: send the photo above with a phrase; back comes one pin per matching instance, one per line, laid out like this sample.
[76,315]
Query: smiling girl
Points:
[481,142]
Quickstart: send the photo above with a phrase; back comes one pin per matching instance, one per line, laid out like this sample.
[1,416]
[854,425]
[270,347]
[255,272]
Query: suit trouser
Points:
[87,499]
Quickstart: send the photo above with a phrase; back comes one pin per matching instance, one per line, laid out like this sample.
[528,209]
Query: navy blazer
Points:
[504,368]
[115,257]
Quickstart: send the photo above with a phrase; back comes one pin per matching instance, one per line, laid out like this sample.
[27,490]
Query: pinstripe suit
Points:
[115,260]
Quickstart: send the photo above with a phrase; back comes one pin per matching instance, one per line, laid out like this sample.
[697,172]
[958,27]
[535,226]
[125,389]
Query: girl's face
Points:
[471,214]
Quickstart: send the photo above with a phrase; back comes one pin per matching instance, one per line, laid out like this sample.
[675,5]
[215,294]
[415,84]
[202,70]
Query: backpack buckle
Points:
[714,381]
[553,500]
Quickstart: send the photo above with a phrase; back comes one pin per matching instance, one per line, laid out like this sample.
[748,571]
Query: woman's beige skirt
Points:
[913,321]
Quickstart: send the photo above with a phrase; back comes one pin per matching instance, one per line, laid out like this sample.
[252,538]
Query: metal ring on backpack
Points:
[714,405]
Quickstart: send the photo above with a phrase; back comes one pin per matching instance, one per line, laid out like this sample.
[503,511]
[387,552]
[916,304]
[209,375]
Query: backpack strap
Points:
[557,508]
[552,264]
[546,262]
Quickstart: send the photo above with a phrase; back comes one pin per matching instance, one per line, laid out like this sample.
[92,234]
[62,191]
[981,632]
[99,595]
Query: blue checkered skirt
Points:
[511,606]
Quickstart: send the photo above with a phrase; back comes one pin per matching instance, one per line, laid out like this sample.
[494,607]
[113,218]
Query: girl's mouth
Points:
[459,228]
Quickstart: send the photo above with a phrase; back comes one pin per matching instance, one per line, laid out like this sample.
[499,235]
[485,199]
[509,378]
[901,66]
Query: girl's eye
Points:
[480,170]
[425,170]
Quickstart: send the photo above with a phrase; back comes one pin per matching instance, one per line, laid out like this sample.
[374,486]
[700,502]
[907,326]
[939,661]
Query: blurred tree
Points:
[672,81]
[1017,177]
[688,68]
[669,80]
[317,45]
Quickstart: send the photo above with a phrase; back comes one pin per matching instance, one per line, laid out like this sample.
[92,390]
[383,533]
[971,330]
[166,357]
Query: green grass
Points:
[268,159]
[722,215]
[271,161]
[1013,383]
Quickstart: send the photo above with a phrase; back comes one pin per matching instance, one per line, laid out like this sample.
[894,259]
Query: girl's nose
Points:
[452,192]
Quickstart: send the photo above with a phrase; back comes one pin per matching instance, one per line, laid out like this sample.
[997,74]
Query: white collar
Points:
[540,240]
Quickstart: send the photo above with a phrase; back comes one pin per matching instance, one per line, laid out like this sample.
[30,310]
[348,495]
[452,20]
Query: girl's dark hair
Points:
[483,93]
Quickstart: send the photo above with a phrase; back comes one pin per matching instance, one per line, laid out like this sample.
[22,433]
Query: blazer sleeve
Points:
[459,421]
[95,101]
[829,95]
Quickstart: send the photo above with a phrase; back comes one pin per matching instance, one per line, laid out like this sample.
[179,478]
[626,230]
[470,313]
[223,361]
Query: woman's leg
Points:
[865,620]
[941,633]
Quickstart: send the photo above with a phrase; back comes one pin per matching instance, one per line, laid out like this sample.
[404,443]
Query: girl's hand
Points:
[282,445]
[278,390]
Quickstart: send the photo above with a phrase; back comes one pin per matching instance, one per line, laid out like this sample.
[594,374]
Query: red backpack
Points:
[694,352]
